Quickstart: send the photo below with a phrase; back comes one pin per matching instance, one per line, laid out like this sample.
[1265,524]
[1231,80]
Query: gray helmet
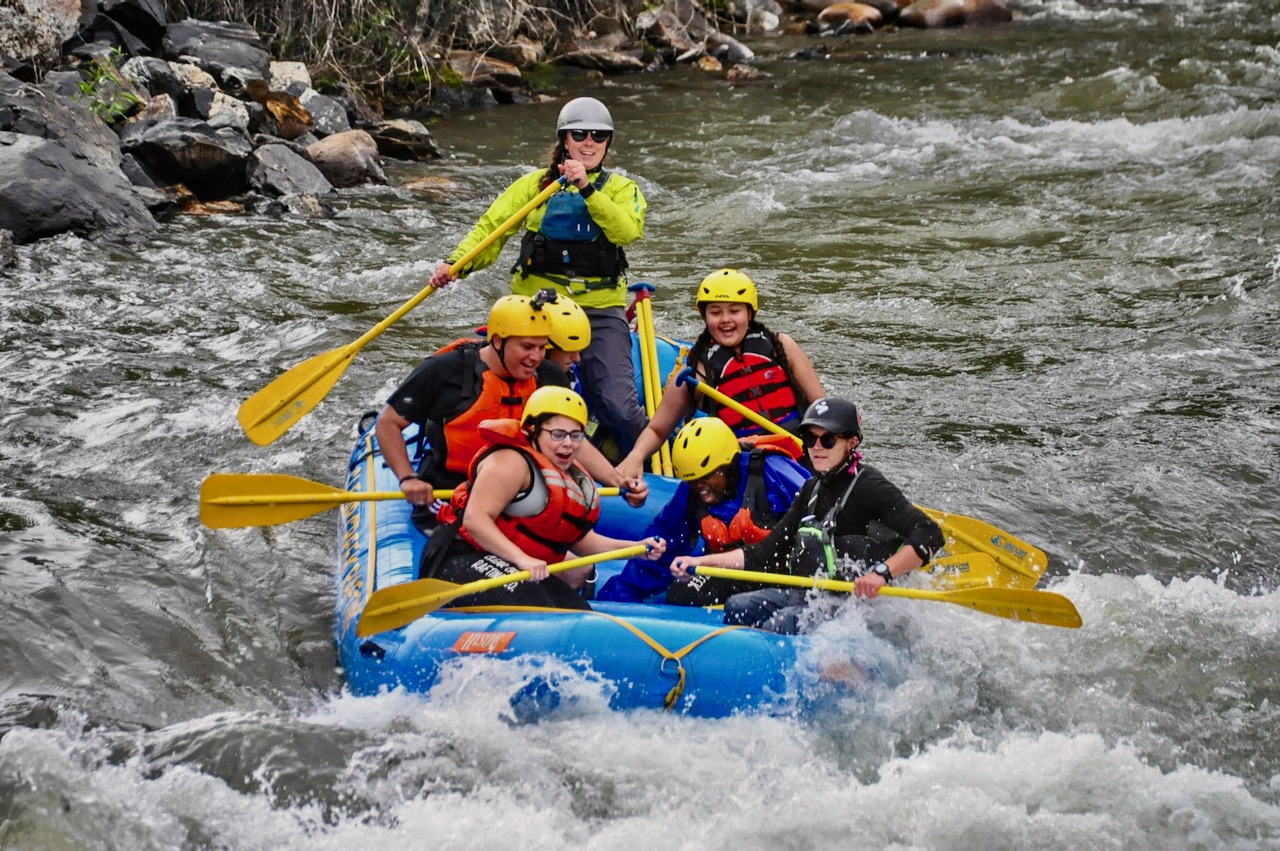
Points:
[584,114]
[836,415]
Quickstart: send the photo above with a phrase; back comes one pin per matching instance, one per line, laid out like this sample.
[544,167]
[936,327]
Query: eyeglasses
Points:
[599,136]
[559,434]
[827,440]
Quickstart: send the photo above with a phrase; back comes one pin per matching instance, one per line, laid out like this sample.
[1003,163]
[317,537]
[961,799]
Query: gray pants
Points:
[608,378]
[775,609]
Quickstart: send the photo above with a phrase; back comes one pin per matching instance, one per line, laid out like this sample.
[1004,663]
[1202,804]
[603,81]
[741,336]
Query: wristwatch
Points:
[882,570]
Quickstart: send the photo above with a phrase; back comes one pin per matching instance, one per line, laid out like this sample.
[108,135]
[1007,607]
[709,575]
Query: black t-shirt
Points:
[874,500]
[433,394]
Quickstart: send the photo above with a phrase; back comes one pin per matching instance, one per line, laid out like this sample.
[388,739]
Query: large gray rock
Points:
[211,163]
[218,46]
[348,159]
[156,76]
[328,116]
[275,170]
[38,111]
[146,19]
[37,30]
[45,189]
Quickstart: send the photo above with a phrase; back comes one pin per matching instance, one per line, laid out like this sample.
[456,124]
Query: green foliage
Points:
[104,92]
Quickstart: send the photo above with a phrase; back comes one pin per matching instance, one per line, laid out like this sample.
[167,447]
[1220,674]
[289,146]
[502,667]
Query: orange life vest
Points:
[752,522]
[573,502]
[497,398]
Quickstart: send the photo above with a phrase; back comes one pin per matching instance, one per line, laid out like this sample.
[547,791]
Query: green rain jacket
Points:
[618,209]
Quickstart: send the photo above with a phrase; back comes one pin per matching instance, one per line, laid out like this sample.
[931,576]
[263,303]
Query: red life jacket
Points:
[496,398]
[755,377]
[573,502]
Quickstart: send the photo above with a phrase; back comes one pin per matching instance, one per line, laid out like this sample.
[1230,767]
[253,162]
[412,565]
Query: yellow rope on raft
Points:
[674,695]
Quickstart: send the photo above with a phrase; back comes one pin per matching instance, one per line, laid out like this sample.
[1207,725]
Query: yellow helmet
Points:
[555,400]
[702,446]
[727,285]
[570,327]
[518,316]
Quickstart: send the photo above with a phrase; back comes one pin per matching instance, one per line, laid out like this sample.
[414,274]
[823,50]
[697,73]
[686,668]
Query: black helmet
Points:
[836,415]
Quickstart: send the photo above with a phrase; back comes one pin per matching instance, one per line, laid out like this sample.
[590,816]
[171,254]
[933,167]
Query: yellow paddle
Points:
[399,605]
[238,500]
[280,405]
[968,534]
[1043,607]
[661,461]
[705,389]
[973,534]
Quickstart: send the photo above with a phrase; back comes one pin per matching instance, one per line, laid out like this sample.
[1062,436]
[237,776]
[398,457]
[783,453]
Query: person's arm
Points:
[640,579]
[500,212]
[395,453]
[884,501]
[771,554]
[498,479]
[593,542]
[802,371]
[635,491]
[413,401]
[677,403]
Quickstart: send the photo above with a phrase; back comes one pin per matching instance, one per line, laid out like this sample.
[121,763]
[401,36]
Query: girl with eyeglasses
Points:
[574,244]
[848,518]
[526,503]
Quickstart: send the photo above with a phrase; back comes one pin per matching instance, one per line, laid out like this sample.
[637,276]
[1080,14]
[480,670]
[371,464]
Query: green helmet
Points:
[702,446]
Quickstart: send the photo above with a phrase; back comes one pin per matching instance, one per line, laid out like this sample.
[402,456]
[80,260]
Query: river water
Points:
[1044,257]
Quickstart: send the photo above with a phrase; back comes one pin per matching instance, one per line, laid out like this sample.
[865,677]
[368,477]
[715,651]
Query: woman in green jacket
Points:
[574,244]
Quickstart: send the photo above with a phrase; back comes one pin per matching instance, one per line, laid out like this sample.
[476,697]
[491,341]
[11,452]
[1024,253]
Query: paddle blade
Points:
[1042,607]
[280,405]
[973,570]
[240,500]
[400,605]
[968,534]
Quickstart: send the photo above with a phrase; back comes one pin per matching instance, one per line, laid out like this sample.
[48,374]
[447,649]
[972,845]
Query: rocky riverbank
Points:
[114,117]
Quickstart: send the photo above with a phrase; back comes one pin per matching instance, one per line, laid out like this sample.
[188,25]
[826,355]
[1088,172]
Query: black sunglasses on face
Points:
[599,136]
[827,440]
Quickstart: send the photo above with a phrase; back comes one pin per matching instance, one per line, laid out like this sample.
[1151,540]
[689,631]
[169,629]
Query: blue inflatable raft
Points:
[652,656]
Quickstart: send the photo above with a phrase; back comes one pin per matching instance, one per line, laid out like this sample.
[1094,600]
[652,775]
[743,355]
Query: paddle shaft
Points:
[733,404]
[283,402]
[661,461]
[1000,554]
[335,498]
[239,500]
[1041,607]
[398,605]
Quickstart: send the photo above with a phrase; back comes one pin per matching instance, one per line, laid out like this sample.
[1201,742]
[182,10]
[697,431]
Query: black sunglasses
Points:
[827,440]
[596,135]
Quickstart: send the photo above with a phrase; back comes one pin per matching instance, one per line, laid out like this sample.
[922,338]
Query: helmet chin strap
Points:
[502,354]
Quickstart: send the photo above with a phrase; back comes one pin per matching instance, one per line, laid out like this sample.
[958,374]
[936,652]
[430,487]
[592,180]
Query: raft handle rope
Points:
[673,696]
